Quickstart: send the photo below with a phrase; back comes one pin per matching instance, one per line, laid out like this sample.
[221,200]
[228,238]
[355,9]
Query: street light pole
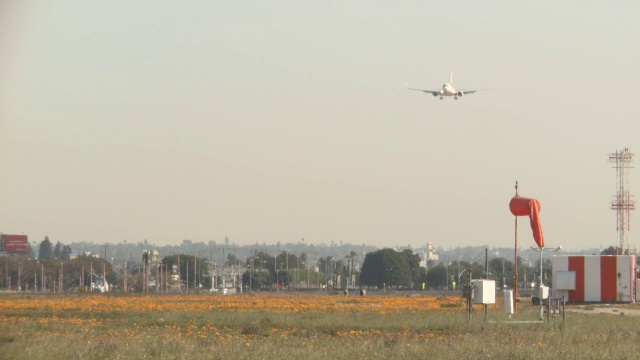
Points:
[541,283]
[525,262]
[489,272]
[250,271]
[447,279]
[541,273]
[504,278]
[540,250]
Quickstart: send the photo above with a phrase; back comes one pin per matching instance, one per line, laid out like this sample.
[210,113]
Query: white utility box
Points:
[543,292]
[565,280]
[484,291]
[508,302]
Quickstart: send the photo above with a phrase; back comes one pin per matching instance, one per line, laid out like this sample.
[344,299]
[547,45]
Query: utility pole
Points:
[211,274]
[236,273]
[159,277]
[6,273]
[307,271]
[145,276]
[486,263]
[447,272]
[250,269]
[126,287]
[298,272]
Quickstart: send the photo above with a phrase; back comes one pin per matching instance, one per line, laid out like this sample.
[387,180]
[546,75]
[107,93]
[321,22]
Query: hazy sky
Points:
[277,121]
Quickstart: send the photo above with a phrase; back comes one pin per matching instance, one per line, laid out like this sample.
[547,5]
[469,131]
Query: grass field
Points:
[280,326]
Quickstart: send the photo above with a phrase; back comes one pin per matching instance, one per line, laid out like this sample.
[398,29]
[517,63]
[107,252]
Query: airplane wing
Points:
[423,90]
[467,91]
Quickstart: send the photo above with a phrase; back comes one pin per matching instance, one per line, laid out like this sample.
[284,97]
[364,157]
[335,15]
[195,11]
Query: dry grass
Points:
[269,326]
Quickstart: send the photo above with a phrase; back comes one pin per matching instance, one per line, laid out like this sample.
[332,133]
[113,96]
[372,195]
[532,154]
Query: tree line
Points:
[385,268]
[47,251]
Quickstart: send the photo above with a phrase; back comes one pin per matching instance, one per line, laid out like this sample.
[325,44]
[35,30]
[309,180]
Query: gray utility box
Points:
[467,292]
[484,291]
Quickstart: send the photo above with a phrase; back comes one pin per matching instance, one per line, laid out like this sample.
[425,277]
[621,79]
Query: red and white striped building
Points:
[595,278]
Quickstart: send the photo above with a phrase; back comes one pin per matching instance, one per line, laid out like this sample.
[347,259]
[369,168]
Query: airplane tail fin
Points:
[451,78]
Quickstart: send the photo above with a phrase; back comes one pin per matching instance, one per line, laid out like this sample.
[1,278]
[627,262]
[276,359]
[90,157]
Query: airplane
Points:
[447,90]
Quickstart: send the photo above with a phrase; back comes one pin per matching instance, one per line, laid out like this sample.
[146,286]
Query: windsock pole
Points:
[515,264]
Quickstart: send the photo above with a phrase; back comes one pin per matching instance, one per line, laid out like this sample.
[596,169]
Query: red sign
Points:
[16,243]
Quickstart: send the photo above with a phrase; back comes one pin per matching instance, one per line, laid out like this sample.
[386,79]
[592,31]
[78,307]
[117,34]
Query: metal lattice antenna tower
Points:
[622,203]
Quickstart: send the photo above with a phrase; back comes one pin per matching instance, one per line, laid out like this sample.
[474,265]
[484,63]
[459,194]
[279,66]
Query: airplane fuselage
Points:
[446,90]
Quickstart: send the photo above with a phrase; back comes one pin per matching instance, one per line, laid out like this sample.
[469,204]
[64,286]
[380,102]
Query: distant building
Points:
[428,254]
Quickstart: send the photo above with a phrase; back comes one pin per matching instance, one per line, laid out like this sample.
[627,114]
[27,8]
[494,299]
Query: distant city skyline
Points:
[275,122]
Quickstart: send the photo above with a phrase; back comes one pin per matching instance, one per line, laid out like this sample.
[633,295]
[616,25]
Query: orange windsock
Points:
[522,206]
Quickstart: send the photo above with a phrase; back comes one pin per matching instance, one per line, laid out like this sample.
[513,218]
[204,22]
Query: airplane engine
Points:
[435,93]
[460,93]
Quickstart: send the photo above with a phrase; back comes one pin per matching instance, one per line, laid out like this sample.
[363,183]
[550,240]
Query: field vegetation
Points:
[292,325]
